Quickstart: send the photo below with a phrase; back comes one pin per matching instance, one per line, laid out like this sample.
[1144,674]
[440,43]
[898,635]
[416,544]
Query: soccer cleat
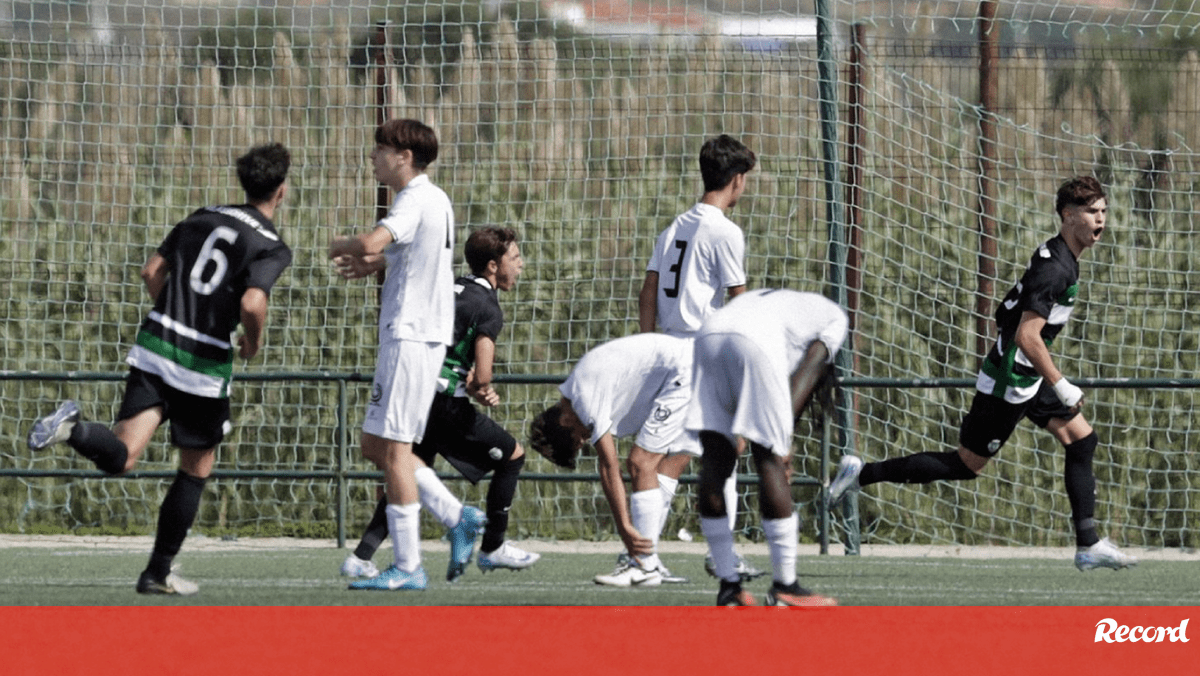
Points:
[846,478]
[668,577]
[631,575]
[54,428]
[356,567]
[797,596]
[507,556]
[732,594]
[462,541]
[172,584]
[393,578]
[744,570]
[1103,554]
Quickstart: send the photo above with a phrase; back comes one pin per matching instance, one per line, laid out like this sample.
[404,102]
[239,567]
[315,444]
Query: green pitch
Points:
[67,574]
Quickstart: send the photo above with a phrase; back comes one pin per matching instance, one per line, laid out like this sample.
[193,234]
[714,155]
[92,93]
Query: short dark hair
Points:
[488,243]
[411,135]
[722,158]
[1079,191]
[549,438]
[262,170]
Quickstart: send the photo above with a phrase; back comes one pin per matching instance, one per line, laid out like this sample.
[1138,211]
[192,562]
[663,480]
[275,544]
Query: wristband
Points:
[1067,393]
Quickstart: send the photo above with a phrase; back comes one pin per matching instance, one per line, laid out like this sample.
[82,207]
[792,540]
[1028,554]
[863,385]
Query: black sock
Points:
[1081,489]
[499,499]
[175,517]
[376,533]
[99,444]
[921,468]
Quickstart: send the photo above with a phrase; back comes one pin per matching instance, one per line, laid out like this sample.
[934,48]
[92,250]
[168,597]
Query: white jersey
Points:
[418,290]
[638,384]
[698,257]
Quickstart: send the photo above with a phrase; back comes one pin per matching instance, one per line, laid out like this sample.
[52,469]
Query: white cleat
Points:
[507,556]
[356,567]
[846,478]
[1103,554]
[631,575]
[54,428]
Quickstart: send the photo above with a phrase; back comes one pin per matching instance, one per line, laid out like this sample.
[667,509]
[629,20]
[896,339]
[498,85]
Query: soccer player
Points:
[636,385]
[697,262]
[214,270]
[416,323]
[1018,379]
[471,441]
[758,362]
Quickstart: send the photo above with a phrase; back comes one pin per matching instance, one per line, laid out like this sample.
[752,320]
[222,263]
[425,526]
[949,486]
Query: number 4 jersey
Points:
[213,256]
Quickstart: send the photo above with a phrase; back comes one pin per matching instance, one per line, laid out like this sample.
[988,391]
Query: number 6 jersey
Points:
[213,256]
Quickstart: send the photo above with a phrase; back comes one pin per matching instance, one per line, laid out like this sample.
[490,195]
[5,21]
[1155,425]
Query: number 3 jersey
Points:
[697,258]
[1048,288]
[213,256]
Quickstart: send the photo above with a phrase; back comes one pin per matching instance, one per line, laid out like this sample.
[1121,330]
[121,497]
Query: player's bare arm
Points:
[614,489]
[479,380]
[254,318]
[806,377]
[735,291]
[357,267]
[360,245]
[1029,340]
[648,303]
[154,274]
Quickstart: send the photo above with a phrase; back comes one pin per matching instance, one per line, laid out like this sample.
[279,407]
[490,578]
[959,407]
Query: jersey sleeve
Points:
[402,218]
[267,268]
[730,254]
[1041,286]
[655,258]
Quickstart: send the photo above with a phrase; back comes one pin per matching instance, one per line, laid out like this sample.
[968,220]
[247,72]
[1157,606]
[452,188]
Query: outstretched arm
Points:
[361,245]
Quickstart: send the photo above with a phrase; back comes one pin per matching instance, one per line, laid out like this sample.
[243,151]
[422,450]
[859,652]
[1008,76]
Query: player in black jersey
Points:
[214,271]
[1018,379]
[471,441]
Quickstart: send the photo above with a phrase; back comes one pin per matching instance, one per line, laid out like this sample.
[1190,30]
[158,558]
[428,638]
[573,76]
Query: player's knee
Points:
[518,453]
[711,504]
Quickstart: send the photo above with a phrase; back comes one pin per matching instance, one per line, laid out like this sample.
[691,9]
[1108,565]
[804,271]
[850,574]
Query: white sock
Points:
[782,538]
[404,526]
[720,547]
[731,499]
[645,510]
[438,499]
[667,487]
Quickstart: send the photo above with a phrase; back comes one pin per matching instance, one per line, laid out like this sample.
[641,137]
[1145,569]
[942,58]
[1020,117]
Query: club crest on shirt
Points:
[661,413]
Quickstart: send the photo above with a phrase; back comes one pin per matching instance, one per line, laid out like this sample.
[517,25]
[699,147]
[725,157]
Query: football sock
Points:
[499,500]
[175,517]
[98,443]
[438,499]
[666,486]
[731,499]
[404,525]
[720,546]
[921,468]
[377,531]
[782,538]
[645,510]
[1081,489]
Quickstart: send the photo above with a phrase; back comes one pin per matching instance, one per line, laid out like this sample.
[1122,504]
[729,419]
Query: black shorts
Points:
[197,423]
[992,420]
[472,442]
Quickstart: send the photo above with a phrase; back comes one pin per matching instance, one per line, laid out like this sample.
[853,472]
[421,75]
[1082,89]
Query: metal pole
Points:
[988,53]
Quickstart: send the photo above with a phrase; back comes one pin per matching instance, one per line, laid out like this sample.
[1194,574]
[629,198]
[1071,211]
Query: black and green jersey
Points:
[212,256]
[1048,288]
[476,313]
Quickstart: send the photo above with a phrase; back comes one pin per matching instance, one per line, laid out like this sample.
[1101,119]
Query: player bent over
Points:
[214,270]
[416,323]
[471,441]
[758,362]
[1018,379]
[636,385]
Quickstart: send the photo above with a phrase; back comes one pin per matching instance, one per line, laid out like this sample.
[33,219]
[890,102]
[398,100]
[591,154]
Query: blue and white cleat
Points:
[393,578]
[462,541]
[54,428]
[846,478]
[1103,554]
[507,556]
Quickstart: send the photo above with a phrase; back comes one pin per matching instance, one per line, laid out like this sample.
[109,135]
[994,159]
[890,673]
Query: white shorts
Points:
[405,381]
[663,432]
[739,390]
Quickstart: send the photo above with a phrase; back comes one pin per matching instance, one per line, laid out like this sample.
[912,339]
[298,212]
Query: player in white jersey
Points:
[214,271]
[416,323]
[758,362]
[637,385]
[698,261]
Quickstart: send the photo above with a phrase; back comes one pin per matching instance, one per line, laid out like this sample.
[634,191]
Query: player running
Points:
[213,272]
[471,441]
[1018,379]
